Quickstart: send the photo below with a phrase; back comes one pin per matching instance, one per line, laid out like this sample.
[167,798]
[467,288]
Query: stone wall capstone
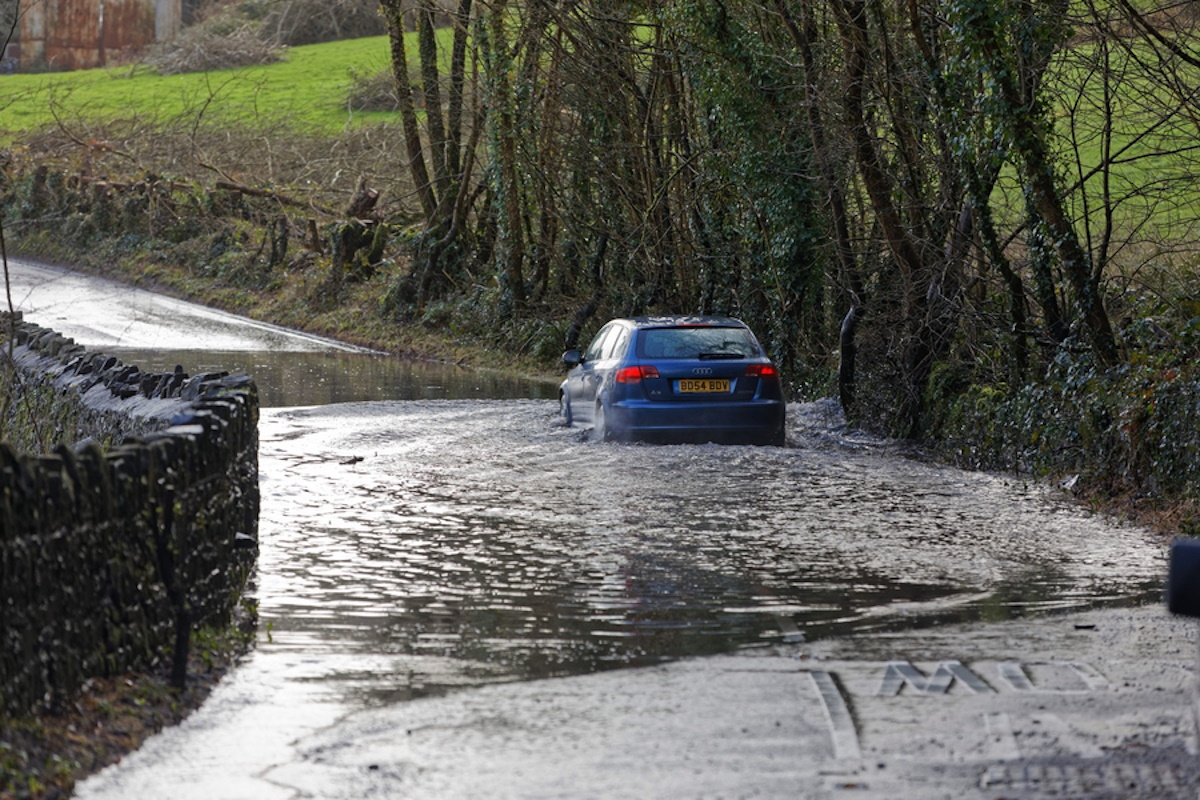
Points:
[111,555]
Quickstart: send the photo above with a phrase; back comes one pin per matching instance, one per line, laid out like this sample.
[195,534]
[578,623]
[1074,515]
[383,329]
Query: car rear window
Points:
[697,342]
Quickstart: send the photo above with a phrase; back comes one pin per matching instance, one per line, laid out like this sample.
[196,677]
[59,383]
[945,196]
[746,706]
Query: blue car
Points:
[675,379]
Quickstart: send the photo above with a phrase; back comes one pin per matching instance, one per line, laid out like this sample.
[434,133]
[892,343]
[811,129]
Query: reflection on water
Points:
[321,378]
[482,540]
[466,535]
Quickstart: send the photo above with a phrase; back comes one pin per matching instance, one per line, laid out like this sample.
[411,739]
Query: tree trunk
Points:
[434,122]
[502,118]
[393,15]
[918,347]
[454,111]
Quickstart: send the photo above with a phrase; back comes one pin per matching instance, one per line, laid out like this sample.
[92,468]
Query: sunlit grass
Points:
[308,91]
[1130,141]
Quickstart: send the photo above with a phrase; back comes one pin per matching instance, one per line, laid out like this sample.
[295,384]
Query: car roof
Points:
[678,320]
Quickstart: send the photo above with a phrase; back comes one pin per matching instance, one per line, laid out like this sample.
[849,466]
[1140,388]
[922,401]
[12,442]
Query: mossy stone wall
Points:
[110,555]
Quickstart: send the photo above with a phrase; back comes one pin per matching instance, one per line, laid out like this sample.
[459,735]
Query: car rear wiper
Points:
[703,356]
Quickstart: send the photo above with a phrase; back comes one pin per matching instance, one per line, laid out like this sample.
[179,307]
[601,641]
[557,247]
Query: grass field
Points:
[307,91]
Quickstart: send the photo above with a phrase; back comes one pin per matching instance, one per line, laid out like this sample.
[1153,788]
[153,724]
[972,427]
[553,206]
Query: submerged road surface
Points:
[421,547]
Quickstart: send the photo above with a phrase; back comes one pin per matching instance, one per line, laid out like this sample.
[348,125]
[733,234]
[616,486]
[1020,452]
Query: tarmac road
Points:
[1091,705]
[103,315]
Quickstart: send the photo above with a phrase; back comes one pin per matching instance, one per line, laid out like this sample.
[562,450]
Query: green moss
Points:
[38,418]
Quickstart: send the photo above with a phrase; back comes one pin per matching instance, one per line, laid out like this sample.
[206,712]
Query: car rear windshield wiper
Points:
[703,356]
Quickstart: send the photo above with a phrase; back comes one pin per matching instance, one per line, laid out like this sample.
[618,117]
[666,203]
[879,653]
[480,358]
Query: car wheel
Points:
[600,430]
[564,408]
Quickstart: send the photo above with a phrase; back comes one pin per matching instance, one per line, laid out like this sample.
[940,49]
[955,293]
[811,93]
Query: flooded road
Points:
[287,378]
[484,540]
[431,528]
[415,549]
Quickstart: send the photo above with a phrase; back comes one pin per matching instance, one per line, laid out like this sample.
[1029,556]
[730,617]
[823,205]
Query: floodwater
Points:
[102,315]
[426,528]
[410,549]
[484,540]
[156,333]
[289,378]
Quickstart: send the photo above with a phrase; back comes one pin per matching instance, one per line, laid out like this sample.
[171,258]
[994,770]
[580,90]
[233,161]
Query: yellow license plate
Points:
[706,385]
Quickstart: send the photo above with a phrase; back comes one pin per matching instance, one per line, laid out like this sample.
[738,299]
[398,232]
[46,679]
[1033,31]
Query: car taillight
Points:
[635,374]
[764,372]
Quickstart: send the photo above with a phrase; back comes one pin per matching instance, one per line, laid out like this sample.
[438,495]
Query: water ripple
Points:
[489,540]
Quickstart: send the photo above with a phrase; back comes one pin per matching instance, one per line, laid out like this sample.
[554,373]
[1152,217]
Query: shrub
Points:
[221,42]
[1133,429]
[372,91]
[298,22]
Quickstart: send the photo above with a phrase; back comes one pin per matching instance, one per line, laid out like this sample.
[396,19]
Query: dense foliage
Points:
[969,188]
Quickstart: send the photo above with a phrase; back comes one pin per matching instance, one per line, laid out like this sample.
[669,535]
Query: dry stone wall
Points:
[111,555]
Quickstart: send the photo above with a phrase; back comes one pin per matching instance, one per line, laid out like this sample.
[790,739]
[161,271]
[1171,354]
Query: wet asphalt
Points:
[1083,705]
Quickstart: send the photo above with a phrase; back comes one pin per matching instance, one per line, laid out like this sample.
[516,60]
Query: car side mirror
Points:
[1183,578]
[572,358]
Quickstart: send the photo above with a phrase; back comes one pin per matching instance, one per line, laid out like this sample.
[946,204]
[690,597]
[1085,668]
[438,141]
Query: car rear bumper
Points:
[759,420]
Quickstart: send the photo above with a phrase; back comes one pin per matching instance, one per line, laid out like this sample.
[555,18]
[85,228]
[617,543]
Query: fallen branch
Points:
[270,194]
